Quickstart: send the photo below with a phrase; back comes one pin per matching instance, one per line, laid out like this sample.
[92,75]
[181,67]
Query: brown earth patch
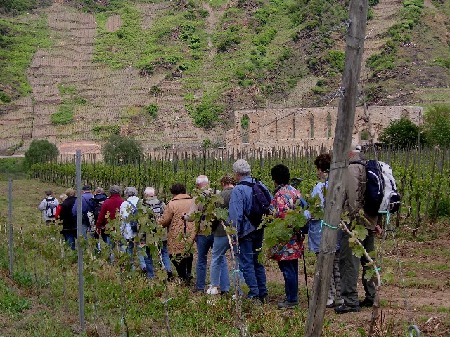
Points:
[113,23]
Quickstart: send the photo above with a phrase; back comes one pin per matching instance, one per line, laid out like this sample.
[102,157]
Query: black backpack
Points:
[133,217]
[50,207]
[260,202]
[374,193]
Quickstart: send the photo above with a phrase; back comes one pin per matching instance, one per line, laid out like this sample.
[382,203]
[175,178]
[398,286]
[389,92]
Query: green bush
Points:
[122,150]
[40,151]
[228,39]
[437,124]
[152,110]
[4,97]
[401,133]
[206,113]
[64,115]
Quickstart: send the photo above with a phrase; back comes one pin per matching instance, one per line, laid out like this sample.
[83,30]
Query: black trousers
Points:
[183,265]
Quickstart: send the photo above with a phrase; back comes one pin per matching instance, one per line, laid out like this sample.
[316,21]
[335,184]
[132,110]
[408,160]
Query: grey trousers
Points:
[349,269]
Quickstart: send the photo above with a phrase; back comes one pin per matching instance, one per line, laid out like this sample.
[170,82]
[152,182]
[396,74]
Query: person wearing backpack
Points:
[355,187]
[48,207]
[87,206]
[245,216]
[286,254]
[156,208]
[128,214]
[98,199]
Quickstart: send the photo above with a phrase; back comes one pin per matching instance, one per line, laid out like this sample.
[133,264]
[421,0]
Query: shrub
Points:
[401,133]
[121,150]
[437,124]
[152,110]
[205,114]
[4,97]
[64,115]
[40,151]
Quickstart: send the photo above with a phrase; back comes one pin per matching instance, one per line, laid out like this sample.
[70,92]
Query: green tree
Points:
[121,150]
[401,133]
[437,124]
[40,151]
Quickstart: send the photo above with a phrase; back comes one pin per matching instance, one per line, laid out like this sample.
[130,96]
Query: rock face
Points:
[311,127]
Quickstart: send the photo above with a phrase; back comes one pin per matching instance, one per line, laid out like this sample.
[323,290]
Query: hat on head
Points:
[86,188]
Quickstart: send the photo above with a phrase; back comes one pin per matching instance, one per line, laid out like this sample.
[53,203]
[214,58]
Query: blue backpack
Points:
[132,217]
[260,202]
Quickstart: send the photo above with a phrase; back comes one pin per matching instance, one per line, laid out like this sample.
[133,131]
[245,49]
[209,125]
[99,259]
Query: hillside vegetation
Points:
[188,64]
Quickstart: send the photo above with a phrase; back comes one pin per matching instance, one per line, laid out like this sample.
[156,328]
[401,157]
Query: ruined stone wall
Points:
[311,127]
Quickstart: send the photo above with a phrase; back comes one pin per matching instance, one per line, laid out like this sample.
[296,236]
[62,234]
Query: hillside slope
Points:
[159,71]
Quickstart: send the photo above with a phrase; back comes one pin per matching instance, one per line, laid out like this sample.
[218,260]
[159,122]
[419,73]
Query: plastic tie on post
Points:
[323,223]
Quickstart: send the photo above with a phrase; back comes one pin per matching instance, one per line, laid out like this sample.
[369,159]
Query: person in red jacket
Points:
[108,212]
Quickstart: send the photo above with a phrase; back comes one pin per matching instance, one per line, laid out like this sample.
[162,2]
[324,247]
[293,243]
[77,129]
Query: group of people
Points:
[246,237]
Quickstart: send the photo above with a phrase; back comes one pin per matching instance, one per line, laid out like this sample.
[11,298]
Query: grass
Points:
[47,285]
[20,37]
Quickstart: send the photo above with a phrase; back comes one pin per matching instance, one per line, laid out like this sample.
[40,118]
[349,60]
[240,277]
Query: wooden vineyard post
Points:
[341,146]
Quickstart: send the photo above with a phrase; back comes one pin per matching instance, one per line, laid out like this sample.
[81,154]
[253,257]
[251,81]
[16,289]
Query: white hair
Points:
[202,180]
[130,191]
[241,167]
[149,191]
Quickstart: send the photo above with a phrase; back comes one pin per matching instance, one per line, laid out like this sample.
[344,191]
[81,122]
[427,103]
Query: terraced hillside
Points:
[98,77]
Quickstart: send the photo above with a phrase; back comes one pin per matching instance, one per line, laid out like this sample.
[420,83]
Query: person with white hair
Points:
[250,238]
[128,211]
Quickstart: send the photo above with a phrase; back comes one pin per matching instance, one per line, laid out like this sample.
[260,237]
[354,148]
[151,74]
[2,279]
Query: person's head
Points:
[149,192]
[99,190]
[202,182]
[178,189]
[49,193]
[355,151]
[86,189]
[280,174]
[130,191]
[227,181]
[241,169]
[322,163]
[63,197]
[70,192]
[114,189]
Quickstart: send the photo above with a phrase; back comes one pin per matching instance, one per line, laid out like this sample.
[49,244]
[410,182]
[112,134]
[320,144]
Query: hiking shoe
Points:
[330,303]
[344,308]
[366,303]
[263,299]
[212,291]
[287,305]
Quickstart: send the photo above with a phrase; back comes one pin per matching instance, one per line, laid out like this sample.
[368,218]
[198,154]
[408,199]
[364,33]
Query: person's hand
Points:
[378,230]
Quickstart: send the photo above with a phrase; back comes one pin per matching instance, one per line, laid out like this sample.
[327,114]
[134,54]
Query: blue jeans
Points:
[146,261]
[70,239]
[253,271]
[289,268]
[219,269]
[204,244]
[165,257]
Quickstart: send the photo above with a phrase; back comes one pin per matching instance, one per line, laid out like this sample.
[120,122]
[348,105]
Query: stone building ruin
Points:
[310,127]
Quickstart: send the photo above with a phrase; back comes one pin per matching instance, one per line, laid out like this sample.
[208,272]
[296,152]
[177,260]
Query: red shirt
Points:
[111,205]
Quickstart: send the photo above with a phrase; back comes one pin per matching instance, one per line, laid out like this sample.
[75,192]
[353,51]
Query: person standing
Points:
[286,254]
[322,163]
[250,237]
[128,213]
[355,186]
[86,206]
[48,207]
[108,211]
[172,219]
[219,277]
[68,220]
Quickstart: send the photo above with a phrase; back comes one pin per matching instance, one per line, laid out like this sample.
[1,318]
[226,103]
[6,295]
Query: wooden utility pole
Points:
[341,146]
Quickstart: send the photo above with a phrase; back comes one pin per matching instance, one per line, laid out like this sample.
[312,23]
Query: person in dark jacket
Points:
[69,221]
[87,206]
